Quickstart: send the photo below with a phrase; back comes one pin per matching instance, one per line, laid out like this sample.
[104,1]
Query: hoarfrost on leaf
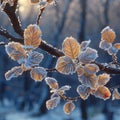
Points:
[71,47]
[52,82]
[80,71]
[108,35]
[117,46]
[32,36]
[65,65]
[91,68]
[68,107]
[52,103]
[89,80]
[16,52]
[14,72]
[102,92]
[87,56]
[38,73]
[104,45]
[103,79]
[34,59]
[112,50]
[83,91]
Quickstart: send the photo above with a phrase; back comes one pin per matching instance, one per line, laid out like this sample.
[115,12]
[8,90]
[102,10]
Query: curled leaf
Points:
[52,103]
[108,35]
[32,36]
[14,72]
[83,91]
[34,58]
[87,56]
[104,45]
[91,68]
[65,65]
[15,51]
[116,95]
[68,107]
[53,84]
[38,73]
[102,92]
[103,79]
[71,47]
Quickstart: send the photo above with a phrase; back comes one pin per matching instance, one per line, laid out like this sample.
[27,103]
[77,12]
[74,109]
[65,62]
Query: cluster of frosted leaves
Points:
[95,85]
[26,56]
[4,2]
[75,54]
[55,97]
[108,36]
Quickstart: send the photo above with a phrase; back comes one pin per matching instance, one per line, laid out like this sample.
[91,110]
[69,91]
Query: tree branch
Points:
[10,11]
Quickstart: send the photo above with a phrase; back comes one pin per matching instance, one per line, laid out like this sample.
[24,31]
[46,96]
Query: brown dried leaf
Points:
[102,92]
[103,79]
[71,47]
[52,103]
[65,65]
[69,107]
[32,36]
[83,91]
[14,72]
[38,73]
[53,84]
[91,68]
[108,35]
[15,51]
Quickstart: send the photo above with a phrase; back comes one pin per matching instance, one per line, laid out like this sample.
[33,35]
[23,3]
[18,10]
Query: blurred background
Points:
[22,98]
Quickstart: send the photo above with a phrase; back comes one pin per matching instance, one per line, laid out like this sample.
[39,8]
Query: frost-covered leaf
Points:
[116,95]
[104,45]
[68,107]
[112,50]
[38,73]
[34,58]
[52,103]
[32,36]
[65,65]
[91,68]
[108,35]
[89,80]
[15,51]
[103,79]
[14,72]
[117,46]
[85,44]
[52,82]
[71,47]
[87,56]
[102,92]
[83,91]
[80,71]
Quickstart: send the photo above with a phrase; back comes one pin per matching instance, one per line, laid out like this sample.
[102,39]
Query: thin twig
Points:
[40,14]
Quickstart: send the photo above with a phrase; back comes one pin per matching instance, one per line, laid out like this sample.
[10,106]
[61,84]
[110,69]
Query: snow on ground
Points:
[8,112]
